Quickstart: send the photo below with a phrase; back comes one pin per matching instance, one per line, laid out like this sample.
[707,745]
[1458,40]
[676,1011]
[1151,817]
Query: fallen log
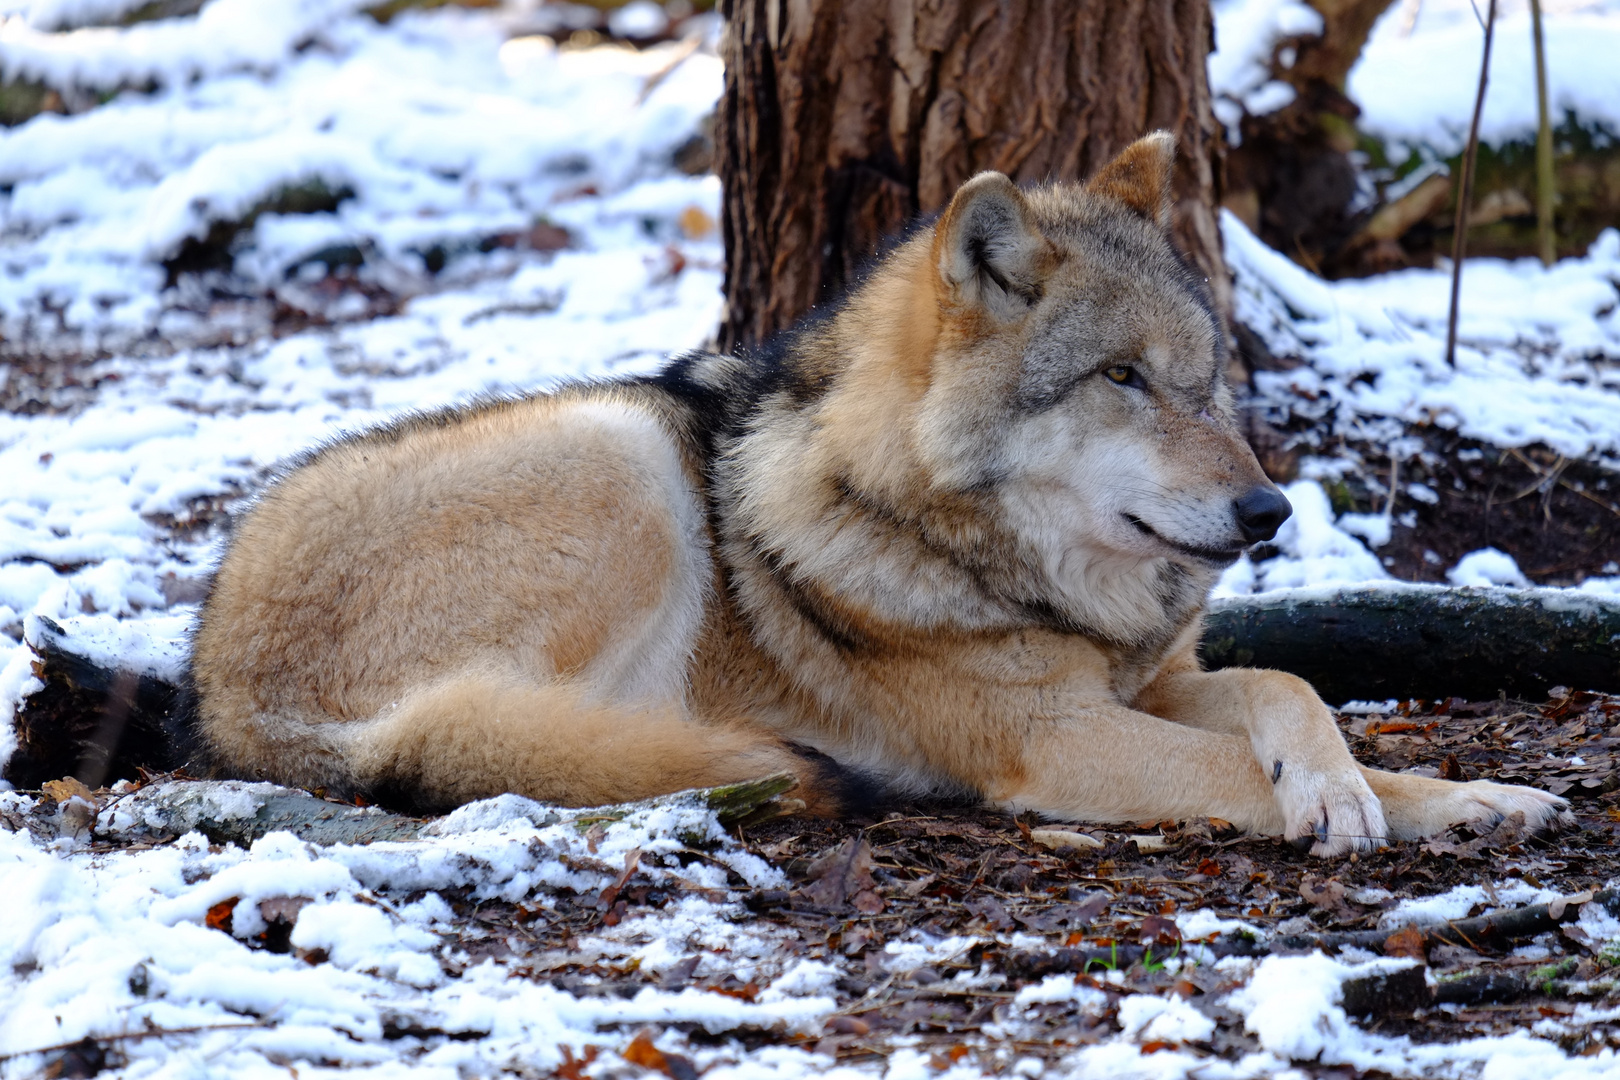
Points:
[1371,643]
[1422,641]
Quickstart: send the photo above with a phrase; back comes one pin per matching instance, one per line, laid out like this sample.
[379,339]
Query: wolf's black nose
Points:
[1261,513]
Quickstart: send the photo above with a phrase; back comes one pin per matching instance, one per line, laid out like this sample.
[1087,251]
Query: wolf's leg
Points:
[1316,783]
[1417,806]
[480,733]
[1112,764]
[1291,729]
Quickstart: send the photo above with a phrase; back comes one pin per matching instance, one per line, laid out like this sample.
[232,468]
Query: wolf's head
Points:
[1084,354]
[1035,386]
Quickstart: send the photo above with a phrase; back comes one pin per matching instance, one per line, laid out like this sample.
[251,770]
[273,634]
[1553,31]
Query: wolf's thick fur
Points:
[955,536]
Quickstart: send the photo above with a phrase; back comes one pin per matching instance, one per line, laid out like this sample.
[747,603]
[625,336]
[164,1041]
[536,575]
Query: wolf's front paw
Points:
[1482,806]
[1330,812]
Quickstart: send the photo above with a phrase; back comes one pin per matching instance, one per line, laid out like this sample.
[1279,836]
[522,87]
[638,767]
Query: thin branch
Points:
[1465,194]
[1545,184]
[128,1036]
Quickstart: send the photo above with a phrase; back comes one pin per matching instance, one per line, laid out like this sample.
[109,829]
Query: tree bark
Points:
[1290,177]
[842,120]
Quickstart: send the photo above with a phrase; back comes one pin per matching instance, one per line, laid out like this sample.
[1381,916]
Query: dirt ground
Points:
[1558,517]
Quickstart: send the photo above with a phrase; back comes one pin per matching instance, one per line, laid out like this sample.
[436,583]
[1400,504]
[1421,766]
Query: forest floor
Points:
[961,939]
[234,249]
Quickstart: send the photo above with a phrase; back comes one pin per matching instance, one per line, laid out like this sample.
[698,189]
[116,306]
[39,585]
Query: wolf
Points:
[952,536]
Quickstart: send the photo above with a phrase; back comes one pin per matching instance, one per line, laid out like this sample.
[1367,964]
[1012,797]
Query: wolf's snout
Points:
[1261,513]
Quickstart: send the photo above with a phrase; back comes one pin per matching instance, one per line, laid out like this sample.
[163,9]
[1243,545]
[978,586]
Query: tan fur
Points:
[957,537]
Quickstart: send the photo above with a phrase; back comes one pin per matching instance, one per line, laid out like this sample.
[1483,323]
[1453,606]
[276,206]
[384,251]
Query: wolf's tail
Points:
[474,736]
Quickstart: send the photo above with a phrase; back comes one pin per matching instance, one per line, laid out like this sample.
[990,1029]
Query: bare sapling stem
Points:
[1545,184]
[1465,193]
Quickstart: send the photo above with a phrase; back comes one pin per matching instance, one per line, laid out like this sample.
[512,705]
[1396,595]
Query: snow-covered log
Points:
[239,812]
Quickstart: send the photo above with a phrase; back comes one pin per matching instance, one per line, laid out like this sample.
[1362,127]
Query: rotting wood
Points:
[92,722]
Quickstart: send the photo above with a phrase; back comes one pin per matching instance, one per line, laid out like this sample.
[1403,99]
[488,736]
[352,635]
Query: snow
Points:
[1416,83]
[1458,902]
[446,134]
[1246,34]
[93,921]
[1417,76]
[1486,567]
[1538,362]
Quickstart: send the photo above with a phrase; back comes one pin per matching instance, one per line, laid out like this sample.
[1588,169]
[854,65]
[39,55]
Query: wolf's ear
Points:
[1140,177]
[989,251]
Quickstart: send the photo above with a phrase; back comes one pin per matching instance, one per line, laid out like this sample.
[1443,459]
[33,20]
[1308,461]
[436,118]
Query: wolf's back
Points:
[502,598]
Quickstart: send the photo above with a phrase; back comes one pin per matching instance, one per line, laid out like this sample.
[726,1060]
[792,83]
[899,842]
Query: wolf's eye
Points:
[1124,376]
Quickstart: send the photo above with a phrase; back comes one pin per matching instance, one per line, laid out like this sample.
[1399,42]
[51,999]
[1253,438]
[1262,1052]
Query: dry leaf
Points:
[695,222]
[843,877]
[1326,894]
[573,1068]
[1557,906]
[991,911]
[1408,943]
[219,916]
[610,895]
[641,1051]
[1159,931]
[1058,839]
[60,791]
[848,1025]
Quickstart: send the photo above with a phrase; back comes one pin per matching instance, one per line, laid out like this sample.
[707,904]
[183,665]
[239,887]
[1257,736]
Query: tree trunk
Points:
[843,119]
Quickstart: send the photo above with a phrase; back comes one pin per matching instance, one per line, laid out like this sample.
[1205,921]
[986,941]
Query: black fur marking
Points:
[773,368]
[713,408]
[856,793]
[837,631]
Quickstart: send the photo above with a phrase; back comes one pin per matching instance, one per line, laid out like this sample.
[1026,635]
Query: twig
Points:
[128,1036]
[1459,242]
[1511,925]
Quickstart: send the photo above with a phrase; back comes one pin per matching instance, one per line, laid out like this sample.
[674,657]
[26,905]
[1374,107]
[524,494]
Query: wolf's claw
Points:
[1330,813]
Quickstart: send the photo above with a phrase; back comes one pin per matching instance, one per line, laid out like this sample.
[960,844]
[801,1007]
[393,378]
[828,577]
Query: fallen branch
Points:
[237,812]
[1465,192]
[128,1036]
[1401,641]
[1513,924]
